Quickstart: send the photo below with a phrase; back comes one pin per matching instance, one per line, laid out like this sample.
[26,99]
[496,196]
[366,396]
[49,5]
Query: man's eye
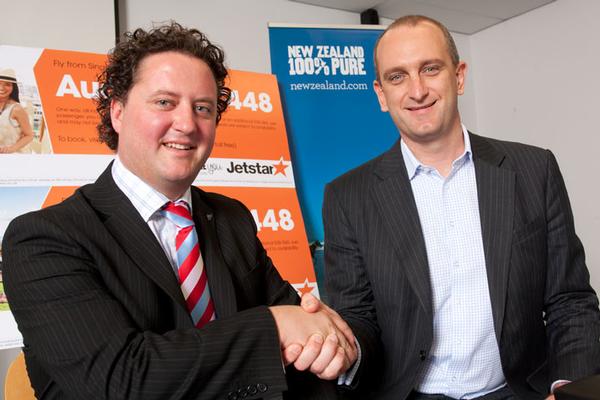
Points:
[164,102]
[203,109]
[431,69]
[395,77]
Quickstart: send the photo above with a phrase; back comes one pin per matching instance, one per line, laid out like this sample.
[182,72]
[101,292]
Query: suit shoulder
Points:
[65,217]
[511,148]
[519,155]
[219,202]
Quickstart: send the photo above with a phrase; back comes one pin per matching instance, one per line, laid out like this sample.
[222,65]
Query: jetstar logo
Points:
[257,168]
[250,168]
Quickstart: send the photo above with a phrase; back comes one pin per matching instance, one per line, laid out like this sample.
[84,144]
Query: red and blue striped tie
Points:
[192,275]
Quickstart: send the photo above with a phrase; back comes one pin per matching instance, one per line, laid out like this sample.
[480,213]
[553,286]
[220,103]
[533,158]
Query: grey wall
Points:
[82,25]
[536,81]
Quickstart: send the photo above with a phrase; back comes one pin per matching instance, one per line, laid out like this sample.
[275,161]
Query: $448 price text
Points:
[273,219]
[250,100]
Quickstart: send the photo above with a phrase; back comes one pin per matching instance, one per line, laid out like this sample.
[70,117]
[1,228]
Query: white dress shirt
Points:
[464,360]
[148,202]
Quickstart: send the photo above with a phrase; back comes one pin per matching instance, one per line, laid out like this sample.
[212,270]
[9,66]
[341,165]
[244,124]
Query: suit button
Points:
[232,396]
[252,390]
[422,355]
[261,387]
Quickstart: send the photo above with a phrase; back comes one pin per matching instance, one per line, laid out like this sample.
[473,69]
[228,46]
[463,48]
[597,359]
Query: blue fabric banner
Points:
[333,119]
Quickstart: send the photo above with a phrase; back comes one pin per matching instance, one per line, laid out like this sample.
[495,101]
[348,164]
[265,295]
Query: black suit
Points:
[378,275]
[102,314]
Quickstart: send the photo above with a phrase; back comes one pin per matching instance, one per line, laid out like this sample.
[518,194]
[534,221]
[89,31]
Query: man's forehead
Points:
[413,42]
[165,65]
[157,61]
[422,30]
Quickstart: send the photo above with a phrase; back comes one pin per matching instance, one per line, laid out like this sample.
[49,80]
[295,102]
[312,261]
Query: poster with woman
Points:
[15,129]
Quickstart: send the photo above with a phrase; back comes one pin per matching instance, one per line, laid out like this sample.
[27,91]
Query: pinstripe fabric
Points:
[377,273]
[103,317]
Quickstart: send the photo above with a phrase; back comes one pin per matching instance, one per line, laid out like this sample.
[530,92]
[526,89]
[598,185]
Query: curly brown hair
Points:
[120,73]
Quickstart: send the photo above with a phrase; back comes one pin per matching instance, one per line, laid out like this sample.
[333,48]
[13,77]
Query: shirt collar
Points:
[144,197]
[414,166]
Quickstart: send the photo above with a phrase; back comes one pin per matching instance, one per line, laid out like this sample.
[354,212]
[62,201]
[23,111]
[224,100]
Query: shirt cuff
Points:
[347,377]
[558,383]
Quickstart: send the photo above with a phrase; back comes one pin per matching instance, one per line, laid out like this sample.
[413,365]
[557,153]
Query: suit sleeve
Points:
[349,288]
[571,311]
[89,344]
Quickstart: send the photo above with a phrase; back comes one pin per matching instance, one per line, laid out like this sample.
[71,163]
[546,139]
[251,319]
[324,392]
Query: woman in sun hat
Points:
[15,130]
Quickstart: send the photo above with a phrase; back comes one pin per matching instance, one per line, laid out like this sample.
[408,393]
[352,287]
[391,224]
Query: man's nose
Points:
[184,118]
[417,89]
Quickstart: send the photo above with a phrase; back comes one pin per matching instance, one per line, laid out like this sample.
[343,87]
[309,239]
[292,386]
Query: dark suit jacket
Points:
[103,317]
[545,313]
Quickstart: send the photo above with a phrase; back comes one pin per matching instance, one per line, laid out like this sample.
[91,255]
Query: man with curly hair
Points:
[140,286]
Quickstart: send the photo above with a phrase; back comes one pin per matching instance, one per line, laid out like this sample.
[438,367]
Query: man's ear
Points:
[380,96]
[116,114]
[461,74]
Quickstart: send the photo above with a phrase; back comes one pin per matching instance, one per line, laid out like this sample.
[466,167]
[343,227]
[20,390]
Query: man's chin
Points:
[423,133]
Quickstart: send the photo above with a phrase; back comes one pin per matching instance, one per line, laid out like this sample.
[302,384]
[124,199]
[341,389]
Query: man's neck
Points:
[439,153]
[171,191]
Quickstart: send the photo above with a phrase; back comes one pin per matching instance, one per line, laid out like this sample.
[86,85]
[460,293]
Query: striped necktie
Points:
[190,267]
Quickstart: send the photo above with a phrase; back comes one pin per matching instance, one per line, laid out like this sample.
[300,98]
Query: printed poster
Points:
[326,76]
[250,160]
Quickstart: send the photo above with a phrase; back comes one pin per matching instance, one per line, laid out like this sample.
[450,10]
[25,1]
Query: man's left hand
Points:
[324,357]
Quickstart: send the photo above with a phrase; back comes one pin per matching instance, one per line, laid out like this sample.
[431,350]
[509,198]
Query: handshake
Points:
[314,337]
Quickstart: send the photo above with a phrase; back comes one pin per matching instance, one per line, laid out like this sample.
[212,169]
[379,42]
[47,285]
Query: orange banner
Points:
[252,126]
[250,160]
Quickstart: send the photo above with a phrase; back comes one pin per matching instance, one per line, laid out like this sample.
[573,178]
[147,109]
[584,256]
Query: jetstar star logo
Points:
[280,167]
[306,287]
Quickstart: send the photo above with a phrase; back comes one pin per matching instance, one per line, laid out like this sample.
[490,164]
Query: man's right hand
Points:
[315,337]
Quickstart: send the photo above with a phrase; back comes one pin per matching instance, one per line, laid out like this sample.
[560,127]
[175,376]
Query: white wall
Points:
[467,102]
[239,26]
[82,25]
[536,81]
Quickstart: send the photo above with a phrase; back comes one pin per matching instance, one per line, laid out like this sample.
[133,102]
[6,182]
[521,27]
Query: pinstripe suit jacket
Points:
[103,317]
[545,313]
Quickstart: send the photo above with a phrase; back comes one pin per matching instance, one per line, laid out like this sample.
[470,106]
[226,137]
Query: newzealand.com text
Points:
[329,86]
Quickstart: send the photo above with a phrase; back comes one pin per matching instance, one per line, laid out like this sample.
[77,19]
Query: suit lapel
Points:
[219,277]
[133,234]
[496,193]
[401,219]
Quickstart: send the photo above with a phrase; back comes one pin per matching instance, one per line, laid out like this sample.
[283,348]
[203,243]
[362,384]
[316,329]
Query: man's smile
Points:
[178,146]
[422,107]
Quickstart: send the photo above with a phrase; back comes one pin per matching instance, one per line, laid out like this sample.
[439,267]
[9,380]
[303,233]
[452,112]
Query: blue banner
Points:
[333,118]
